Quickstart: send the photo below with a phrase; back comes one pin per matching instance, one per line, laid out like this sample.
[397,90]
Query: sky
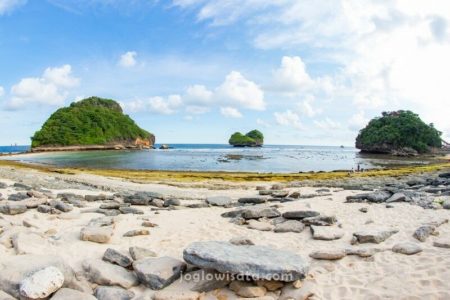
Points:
[196,71]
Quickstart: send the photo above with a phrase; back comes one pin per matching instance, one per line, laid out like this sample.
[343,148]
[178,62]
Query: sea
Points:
[214,157]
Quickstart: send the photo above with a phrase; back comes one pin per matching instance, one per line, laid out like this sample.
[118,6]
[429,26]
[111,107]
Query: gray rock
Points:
[219,201]
[70,294]
[59,205]
[326,233]
[136,232]
[205,280]
[18,197]
[290,226]
[3,185]
[157,273]
[265,192]
[328,254]
[320,220]
[112,293]
[131,210]
[233,213]
[157,202]
[364,209]
[407,248]
[101,197]
[12,209]
[397,197]
[172,202]
[45,209]
[138,253]
[115,257]
[252,200]
[300,214]
[41,283]
[99,235]
[101,222]
[257,212]
[444,175]
[373,236]
[379,196]
[423,232]
[113,205]
[259,262]
[104,273]
[241,241]
[280,194]
[442,243]
[446,204]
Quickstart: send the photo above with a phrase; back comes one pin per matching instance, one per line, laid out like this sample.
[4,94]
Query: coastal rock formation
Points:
[253,138]
[90,124]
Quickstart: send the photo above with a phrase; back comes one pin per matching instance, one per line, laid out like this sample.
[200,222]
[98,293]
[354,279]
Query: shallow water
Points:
[270,158]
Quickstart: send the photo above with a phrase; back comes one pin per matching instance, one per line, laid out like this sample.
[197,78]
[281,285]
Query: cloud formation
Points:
[128,59]
[230,112]
[7,6]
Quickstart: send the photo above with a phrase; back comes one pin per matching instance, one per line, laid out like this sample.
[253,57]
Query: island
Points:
[91,124]
[400,133]
[253,138]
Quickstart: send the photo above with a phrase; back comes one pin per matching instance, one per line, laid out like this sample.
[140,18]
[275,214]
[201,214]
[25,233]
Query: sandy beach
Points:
[385,275]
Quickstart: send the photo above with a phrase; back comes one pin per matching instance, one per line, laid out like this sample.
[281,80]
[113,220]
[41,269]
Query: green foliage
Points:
[397,130]
[252,139]
[92,121]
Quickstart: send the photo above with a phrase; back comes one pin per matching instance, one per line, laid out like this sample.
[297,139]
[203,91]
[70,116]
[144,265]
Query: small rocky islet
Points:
[238,267]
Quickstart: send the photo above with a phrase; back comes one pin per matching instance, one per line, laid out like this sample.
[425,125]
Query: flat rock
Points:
[290,226]
[328,254]
[260,212]
[205,280]
[247,290]
[326,233]
[373,236]
[397,197]
[157,273]
[442,243]
[113,293]
[300,214]
[99,235]
[104,273]
[407,248]
[59,205]
[115,257]
[42,283]
[219,200]
[30,243]
[280,194]
[259,262]
[258,225]
[423,232]
[70,294]
[176,295]
[138,253]
[446,204]
[136,232]
[12,209]
[131,210]
[320,220]
[252,200]
[241,241]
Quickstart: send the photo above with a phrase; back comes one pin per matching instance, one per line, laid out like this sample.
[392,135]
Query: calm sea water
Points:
[270,158]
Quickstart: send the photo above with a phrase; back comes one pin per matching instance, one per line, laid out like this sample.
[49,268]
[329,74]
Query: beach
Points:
[182,216]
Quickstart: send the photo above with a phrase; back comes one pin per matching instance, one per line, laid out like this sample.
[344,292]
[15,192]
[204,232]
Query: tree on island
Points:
[398,133]
[253,138]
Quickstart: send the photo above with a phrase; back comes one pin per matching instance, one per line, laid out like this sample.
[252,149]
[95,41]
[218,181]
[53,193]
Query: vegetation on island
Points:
[253,138]
[92,121]
[399,133]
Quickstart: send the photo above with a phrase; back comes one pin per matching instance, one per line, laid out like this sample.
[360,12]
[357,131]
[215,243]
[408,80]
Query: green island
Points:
[89,124]
[253,138]
[400,133]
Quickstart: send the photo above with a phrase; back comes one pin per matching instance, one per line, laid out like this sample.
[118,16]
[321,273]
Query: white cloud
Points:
[306,107]
[2,91]
[197,110]
[237,90]
[291,76]
[261,122]
[50,89]
[128,59]
[358,121]
[159,105]
[198,94]
[328,124]
[9,5]
[288,118]
[230,112]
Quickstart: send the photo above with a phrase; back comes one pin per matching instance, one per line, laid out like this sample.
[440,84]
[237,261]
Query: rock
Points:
[219,201]
[205,280]
[330,254]
[104,273]
[233,213]
[247,290]
[320,220]
[96,234]
[131,210]
[280,194]
[258,262]
[361,252]
[42,283]
[12,209]
[265,192]
[113,205]
[30,243]
[138,253]
[397,197]
[364,209]
[257,212]
[295,195]
[258,225]
[407,248]
[112,293]
[115,257]
[70,294]
[3,295]
[278,186]
[241,241]
[252,200]
[300,214]
[176,295]
[149,224]
[136,232]
[307,291]
[59,205]
[18,197]
[45,209]
[441,243]
[326,233]
[357,198]
[101,222]
[92,198]
[16,268]
[444,175]
[423,232]
[446,204]
[378,196]
[238,221]
[3,185]
[270,285]
[157,273]
[373,236]
[290,226]
[172,202]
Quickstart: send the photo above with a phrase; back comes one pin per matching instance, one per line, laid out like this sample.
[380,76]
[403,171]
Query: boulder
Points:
[252,200]
[42,283]
[99,235]
[138,253]
[259,262]
[424,231]
[320,220]
[407,248]
[59,205]
[300,214]
[115,257]
[326,233]
[18,196]
[70,294]
[219,201]
[104,273]
[373,236]
[112,293]
[12,209]
[157,273]
[290,226]
[257,212]
[330,254]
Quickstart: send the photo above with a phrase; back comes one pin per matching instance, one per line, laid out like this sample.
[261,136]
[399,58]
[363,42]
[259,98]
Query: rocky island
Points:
[253,138]
[400,133]
[91,124]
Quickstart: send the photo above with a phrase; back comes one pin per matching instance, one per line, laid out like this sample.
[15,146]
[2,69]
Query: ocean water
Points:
[206,157]
[13,149]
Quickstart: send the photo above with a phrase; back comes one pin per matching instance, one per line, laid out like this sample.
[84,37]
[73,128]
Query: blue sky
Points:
[195,71]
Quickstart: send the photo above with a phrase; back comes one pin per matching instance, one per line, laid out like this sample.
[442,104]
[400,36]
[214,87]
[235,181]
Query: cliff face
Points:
[91,123]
